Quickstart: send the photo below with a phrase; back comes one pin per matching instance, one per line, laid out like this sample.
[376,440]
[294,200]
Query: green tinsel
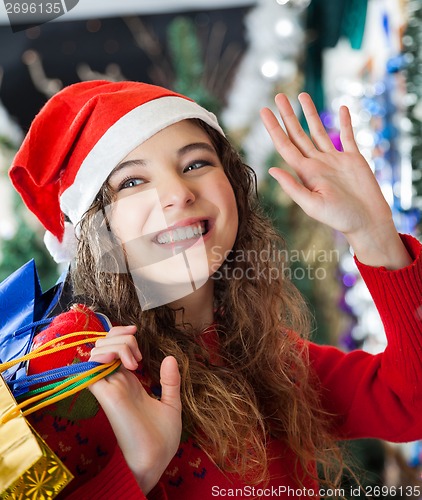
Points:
[188,63]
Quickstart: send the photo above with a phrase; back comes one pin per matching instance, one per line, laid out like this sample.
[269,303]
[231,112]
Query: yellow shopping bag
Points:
[28,467]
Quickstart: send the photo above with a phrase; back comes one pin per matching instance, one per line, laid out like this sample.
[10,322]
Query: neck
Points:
[198,307]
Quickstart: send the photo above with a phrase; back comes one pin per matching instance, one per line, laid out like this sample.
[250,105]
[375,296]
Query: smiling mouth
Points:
[185,233]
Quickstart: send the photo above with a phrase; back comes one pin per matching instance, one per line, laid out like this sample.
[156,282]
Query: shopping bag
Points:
[22,304]
[28,467]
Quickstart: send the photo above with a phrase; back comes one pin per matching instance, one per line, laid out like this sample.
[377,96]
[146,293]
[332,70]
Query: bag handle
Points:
[70,386]
[40,351]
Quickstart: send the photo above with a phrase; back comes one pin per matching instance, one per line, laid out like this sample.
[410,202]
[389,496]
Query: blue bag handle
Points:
[21,384]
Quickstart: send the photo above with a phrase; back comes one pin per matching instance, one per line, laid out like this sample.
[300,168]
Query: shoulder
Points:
[78,319]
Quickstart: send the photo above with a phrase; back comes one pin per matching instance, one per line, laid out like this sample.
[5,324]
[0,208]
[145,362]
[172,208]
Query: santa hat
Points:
[78,138]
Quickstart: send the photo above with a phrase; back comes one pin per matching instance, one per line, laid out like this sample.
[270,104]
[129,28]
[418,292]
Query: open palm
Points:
[336,188]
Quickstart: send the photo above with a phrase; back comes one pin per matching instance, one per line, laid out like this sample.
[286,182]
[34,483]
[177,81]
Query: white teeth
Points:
[164,238]
[182,233]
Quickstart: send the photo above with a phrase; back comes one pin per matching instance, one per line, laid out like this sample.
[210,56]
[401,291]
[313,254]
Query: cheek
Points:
[228,201]
[221,188]
[135,215]
[224,198]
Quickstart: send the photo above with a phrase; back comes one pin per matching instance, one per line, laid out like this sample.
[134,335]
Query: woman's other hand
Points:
[337,188]
[147,429]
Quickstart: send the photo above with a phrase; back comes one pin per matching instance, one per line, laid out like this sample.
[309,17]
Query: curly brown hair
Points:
[263,385]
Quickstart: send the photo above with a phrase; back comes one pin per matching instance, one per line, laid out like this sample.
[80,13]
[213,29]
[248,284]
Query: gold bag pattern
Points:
[28,467]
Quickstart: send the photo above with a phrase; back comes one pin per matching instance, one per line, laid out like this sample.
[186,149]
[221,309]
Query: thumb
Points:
[299,193]
[170,383]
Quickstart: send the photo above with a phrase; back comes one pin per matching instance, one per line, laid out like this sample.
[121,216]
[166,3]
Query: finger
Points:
[128,340]
[101,388]
[110,352]
[294,129]
[170,383]
[281,141]
[347,136]
[122,330]
[316,128]
[308,201]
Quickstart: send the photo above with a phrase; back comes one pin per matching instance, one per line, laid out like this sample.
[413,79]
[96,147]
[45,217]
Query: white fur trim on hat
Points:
[121,138]
[65,250]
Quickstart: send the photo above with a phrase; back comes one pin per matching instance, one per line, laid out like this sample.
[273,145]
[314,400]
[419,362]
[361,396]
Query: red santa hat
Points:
[78,138]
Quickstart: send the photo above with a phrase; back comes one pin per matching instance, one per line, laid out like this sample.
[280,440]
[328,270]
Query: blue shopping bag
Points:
[23,309]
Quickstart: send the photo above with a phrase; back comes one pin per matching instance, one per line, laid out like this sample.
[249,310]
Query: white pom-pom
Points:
[65,250]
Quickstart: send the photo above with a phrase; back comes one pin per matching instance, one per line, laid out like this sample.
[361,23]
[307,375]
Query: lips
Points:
[183,232]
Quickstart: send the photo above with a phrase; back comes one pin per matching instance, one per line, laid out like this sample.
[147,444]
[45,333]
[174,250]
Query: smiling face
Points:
[174,211]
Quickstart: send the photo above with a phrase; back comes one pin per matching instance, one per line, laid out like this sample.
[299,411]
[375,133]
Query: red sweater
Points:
[378,396]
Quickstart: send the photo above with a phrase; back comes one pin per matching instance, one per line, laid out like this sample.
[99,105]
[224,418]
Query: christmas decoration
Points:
[382,102]
[20,236]
[411,62]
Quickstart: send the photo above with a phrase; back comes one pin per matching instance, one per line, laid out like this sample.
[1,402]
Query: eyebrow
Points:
[125,164]
[180,152]
[195,145]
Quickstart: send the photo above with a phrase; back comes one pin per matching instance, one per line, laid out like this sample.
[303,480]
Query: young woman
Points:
[220,392]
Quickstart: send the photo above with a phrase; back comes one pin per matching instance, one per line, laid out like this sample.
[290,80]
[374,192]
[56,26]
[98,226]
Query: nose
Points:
[176,192]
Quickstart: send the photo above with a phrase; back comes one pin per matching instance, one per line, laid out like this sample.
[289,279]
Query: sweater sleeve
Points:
[114,481]
[380,396]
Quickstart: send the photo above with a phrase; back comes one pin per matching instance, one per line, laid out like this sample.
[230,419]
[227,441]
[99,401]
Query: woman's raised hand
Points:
[336,188]
[147,429]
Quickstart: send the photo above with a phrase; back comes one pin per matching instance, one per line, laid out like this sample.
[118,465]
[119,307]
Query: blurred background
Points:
[232,57]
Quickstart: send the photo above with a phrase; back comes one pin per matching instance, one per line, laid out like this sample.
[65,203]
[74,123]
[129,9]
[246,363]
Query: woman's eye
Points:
[129,183]
[196,165]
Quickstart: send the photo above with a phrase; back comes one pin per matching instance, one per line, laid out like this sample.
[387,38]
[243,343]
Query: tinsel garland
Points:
[412,59]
